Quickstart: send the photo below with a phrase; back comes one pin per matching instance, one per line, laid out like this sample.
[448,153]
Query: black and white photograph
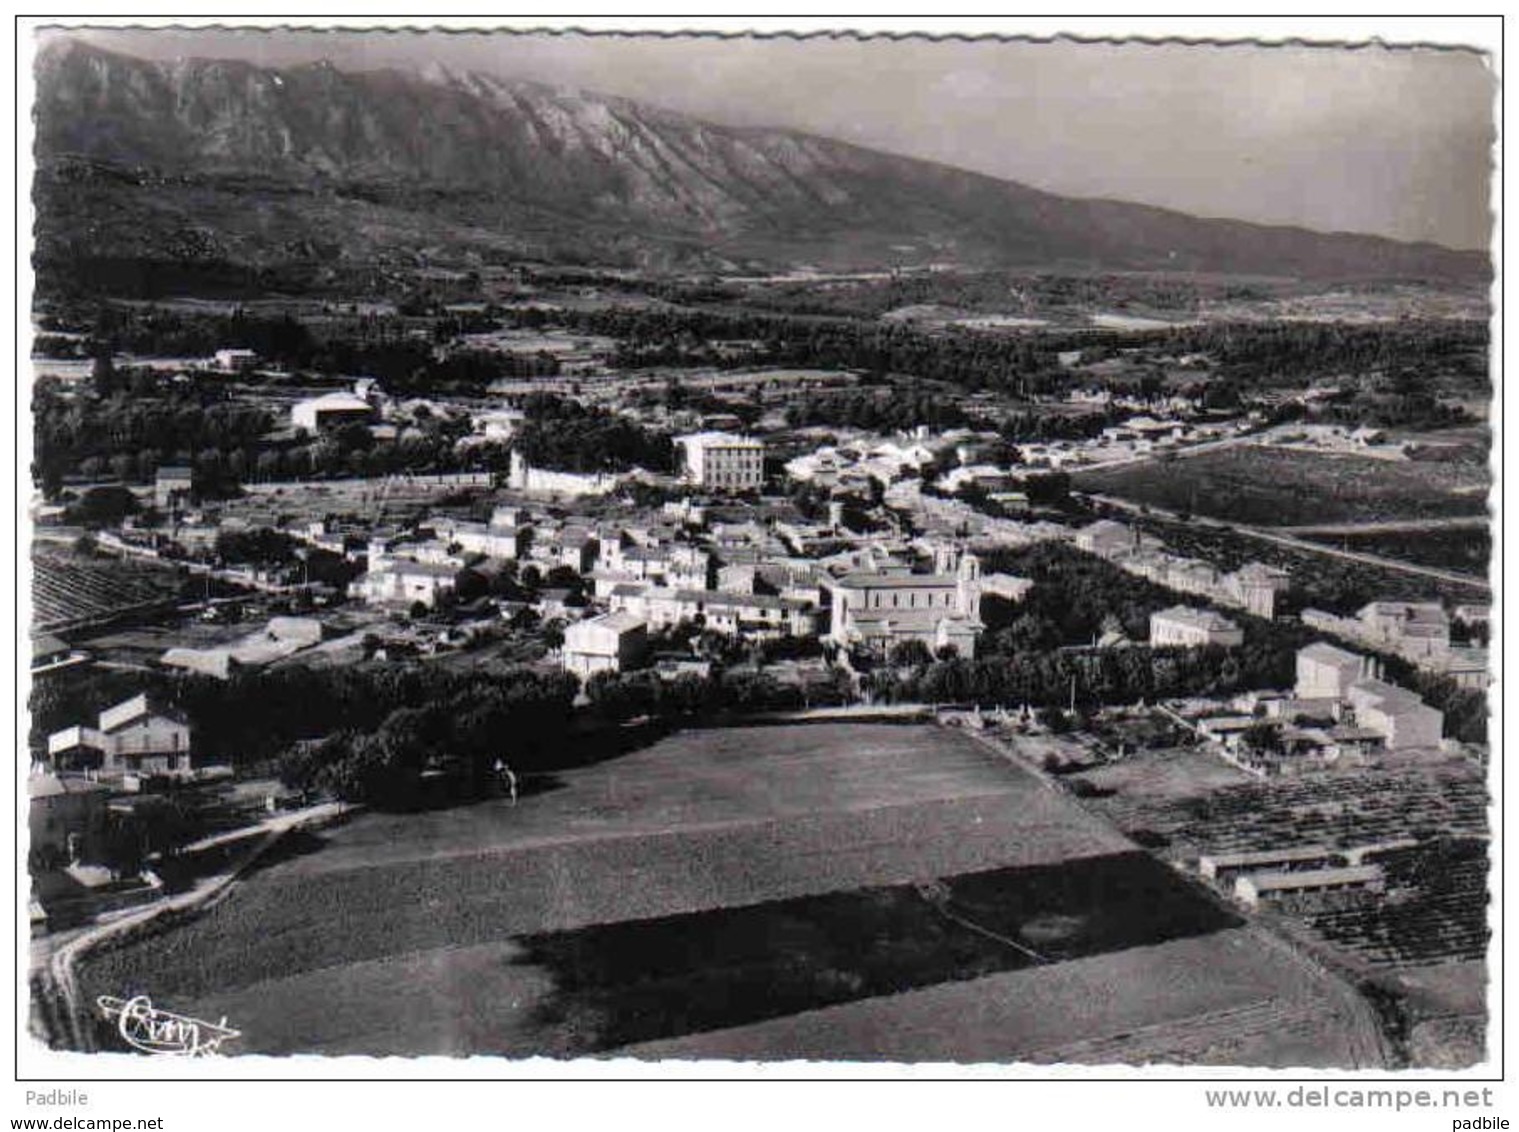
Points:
[671,549]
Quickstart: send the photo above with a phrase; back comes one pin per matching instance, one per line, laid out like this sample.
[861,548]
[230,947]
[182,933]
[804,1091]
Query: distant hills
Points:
[310,175]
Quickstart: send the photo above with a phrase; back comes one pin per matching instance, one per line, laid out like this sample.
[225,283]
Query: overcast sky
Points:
[1393,142]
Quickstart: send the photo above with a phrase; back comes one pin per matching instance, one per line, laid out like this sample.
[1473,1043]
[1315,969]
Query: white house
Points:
[236,360]
[1184,625]
[1400,716]
[1325,672]
[613,642]
[498,424]
[399,581]
[135,736]
[1415,629]
[1104,538]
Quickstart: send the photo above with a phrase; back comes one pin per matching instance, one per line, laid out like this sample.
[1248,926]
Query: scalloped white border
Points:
[1058,1104]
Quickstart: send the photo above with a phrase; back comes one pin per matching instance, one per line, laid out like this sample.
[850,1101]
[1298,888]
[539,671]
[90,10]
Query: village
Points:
[766,567]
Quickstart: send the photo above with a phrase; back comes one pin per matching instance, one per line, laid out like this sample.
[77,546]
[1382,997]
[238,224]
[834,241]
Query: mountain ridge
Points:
[398,165]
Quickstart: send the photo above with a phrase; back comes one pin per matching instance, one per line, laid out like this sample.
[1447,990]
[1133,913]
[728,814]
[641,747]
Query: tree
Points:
[910,653]
[103,507]
[1263,738]
[103,371]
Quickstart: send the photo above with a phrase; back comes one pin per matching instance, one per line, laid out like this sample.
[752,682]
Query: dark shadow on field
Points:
[622,984]
[597,744]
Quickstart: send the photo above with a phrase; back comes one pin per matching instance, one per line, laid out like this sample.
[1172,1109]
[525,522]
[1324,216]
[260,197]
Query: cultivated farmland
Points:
[717,879]
[69,589]
[1268,487]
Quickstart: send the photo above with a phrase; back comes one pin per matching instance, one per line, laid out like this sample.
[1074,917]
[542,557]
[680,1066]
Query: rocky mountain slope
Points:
[223,165]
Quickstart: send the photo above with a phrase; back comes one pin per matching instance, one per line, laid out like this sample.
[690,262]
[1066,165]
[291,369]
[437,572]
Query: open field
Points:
[1264,487]
[1222,999]
[716,879]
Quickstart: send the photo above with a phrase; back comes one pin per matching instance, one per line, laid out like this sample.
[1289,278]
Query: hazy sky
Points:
[1394,142]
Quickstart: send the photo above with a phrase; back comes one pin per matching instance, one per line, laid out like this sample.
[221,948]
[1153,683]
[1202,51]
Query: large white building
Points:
[1106,538]
[1401,719]
[488,539]
[613,642]
[878,610]
[723,461]
[1414,629]
[1184,625]
[1325,672]
[331,410]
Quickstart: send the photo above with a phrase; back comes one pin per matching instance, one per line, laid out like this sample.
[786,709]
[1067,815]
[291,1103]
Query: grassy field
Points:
[1269,488]
[716,879]
[1221,999]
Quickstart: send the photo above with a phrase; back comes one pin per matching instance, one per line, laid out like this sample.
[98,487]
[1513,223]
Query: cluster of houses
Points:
[1340,711]
[1417,631]
[880,461]
[1253,587]
[749,569]
[963,454]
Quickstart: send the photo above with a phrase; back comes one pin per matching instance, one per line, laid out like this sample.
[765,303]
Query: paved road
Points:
[1295,543]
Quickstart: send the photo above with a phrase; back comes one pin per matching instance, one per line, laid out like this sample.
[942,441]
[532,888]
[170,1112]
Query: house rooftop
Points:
[1196,618]
[1326,653]
[617,622]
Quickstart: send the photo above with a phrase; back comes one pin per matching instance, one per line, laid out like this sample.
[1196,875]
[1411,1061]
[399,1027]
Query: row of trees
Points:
[1094,677]
[470,728]
[619,697]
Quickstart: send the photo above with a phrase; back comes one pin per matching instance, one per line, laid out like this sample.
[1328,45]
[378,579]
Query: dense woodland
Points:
[568,436]
[877,411]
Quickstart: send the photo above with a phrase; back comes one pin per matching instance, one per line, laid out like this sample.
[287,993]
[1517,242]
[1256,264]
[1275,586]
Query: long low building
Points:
[1255,889]
[1223,867]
